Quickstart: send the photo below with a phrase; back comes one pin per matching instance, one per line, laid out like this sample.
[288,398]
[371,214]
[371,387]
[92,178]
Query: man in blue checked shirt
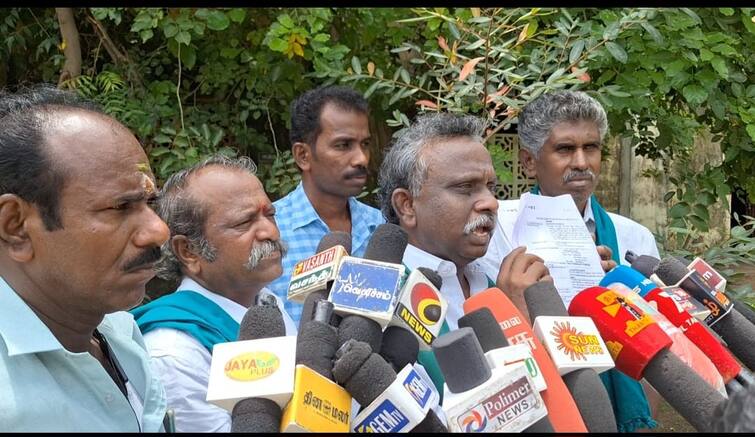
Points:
[330,139]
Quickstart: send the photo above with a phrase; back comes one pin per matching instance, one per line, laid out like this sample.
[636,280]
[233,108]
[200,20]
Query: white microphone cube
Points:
[573,343]
[262,368]
[517,354]
[421,309]
[314,273]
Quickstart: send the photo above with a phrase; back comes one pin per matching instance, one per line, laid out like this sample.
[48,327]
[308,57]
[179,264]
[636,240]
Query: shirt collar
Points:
[22,331]
[234,309]
[587,216]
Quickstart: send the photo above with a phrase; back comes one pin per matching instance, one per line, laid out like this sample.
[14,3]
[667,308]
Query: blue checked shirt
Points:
[302,229]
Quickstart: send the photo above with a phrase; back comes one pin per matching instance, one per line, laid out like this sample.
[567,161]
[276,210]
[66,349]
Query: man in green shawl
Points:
[561,136]
[225,248]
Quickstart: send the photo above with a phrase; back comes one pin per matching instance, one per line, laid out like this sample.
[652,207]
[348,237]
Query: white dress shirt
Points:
[183,365]
[451,289]
[630,235]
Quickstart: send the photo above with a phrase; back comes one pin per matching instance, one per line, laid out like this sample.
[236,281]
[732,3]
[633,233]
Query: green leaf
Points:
[751,131]
[188,56]
[694,94]
[356,65]
[679,210]
[183,37]
[617,52]
[217,20]
[405,76]
[668,196]
[726,11]
[719,64]
[649,28]
[611,32]
[702,212]
[237,15]
[170,30]
[699,223]
[576,51]
[286,21]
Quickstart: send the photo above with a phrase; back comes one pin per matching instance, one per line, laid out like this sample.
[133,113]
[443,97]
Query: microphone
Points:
[578,352]
[393,402]
[316,272]
[737,414]
[318,404]
[640,349]
[696,332]
[716,281]
[562,410]
[499,354]
[253,378]
[365,291]
[726,321]
[478,398]
[329,257]
[421,307]
[399,347]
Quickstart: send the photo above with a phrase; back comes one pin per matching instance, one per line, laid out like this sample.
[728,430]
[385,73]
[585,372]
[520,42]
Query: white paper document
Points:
[553,229]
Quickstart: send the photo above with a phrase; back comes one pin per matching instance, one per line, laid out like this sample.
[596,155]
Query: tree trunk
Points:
[70,43]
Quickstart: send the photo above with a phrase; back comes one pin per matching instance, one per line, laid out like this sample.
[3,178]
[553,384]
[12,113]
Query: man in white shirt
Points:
[226,247]
[561,134]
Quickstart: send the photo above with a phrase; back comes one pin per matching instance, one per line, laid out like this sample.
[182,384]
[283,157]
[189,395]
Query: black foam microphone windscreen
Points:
[362,329]
[644,264]
[461,360]
[737,414]
[261,321]
[364,378]
[317,342]
[336,238]
[387,244]
[432,276]
[256,415]
[399,347]
[486,328]
[542,299]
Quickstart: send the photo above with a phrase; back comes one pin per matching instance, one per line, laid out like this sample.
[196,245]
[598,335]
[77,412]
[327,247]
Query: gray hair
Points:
[538,116]
[404,167]
[185,216]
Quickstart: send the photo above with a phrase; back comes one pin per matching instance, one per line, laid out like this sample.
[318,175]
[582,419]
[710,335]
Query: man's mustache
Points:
[579,174]
[265,250]
[486,220]
[144,259]
[358,172]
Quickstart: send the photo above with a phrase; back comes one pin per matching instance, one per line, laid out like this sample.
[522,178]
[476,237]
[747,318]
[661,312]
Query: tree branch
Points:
[70,43]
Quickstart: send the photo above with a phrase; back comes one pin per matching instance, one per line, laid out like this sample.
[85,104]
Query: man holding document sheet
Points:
[561,135]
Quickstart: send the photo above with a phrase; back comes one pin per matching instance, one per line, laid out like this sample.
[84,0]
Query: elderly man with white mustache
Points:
[561,134]
[225,248]
[437,182]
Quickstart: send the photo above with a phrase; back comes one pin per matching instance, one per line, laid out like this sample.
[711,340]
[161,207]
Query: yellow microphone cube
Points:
[318,404]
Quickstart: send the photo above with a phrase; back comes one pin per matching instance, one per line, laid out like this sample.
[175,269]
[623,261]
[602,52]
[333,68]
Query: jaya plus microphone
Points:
[391,402]
[737,332]
[725,363]
[478,398]
[318,404]
[640,349]
[253,378]
[578,352]
[499,354]
[322,269]
[562,410]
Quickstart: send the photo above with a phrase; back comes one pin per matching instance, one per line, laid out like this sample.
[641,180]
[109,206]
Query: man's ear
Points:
[528,162]
[15,213]
[302,153]
[403,204]
[182,249]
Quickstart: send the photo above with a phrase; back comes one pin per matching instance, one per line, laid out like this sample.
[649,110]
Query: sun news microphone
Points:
[725,363]
[478,398]
[253,378]
[316,274]
[318,404]
[500,354]
[737,332]
[562,410]
[366,290]
[391,402]
[576,348]
[640,349]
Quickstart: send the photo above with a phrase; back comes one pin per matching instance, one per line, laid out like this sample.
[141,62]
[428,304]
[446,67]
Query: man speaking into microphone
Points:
[225,248]
[437,182]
